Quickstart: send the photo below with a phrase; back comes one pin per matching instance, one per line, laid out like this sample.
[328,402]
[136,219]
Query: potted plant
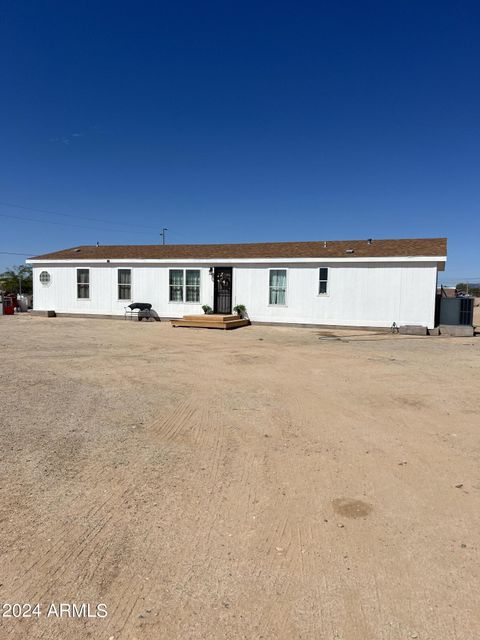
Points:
[207,309]
[240,310]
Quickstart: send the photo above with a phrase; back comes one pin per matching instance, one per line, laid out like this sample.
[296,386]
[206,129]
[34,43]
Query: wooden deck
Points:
[211,321]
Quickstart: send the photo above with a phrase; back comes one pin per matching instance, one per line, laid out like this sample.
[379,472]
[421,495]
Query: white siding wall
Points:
[150,283]
[368,294]
[362,294]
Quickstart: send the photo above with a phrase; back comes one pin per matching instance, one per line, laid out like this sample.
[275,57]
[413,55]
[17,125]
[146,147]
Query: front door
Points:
[222,290]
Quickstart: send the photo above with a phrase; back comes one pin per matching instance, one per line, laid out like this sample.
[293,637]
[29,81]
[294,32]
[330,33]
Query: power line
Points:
[462,279]
[14,253]
[69,215]
[69,224]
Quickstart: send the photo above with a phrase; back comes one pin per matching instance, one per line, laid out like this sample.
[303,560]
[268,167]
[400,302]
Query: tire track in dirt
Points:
[78,550]
[73,550]
[211,425]
[284,532]
[166,429]
[65,541]
[304,533]
[137,586]
[75,547]
[186,424]
[135,589]
[83,509]
[176,421]
[205,430]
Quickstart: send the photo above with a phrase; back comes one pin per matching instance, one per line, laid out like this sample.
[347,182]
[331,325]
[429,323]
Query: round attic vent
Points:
[44,278]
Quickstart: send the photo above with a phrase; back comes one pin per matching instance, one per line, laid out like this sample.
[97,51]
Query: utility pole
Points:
[162,234]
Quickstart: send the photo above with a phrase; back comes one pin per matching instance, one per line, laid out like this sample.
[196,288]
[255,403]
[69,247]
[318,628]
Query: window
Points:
[192,279]
[184,285]
[176,285]
[44,278]
[124,284]
[323,281]
[83,283]
[278,286]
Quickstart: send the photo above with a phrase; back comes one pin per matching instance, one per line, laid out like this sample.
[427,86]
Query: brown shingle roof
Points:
[434,247]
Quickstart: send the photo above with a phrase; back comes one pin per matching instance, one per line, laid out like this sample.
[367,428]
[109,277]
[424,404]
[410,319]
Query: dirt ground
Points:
[275,483]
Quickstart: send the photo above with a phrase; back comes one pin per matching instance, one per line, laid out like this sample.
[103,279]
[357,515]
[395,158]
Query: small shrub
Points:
[240,310]
[207,309]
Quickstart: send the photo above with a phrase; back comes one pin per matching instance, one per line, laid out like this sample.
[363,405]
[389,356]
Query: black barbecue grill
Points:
[138,310]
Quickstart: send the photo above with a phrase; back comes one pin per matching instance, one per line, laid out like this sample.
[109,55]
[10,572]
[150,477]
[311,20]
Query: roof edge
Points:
[434,247]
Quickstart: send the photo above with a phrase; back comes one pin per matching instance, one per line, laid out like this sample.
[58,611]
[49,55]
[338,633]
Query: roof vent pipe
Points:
[325,244]
[369,241]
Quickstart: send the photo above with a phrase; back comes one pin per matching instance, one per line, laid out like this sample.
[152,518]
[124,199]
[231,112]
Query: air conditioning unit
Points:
[457,311]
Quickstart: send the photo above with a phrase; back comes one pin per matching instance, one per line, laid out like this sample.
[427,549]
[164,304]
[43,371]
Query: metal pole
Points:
[162,234]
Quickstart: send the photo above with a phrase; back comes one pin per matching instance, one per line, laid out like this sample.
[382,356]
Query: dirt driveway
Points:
[270,483]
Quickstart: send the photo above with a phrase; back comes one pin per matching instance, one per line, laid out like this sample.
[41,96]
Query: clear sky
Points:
[239,122]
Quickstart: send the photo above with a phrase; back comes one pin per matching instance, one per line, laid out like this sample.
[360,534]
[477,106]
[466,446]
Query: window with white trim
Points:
[192,285]
[124,284]
[83,283]
[323,281]
[184,285]
[278,286]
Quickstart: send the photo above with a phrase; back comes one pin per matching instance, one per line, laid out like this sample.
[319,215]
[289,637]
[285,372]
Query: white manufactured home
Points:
[364,283]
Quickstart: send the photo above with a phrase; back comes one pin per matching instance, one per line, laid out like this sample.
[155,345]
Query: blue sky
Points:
[239,122]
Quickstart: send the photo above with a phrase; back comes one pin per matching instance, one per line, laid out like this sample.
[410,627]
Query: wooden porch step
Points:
[211,317]
[211,321]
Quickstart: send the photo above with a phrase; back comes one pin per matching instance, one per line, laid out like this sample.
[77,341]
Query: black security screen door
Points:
[222,291]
